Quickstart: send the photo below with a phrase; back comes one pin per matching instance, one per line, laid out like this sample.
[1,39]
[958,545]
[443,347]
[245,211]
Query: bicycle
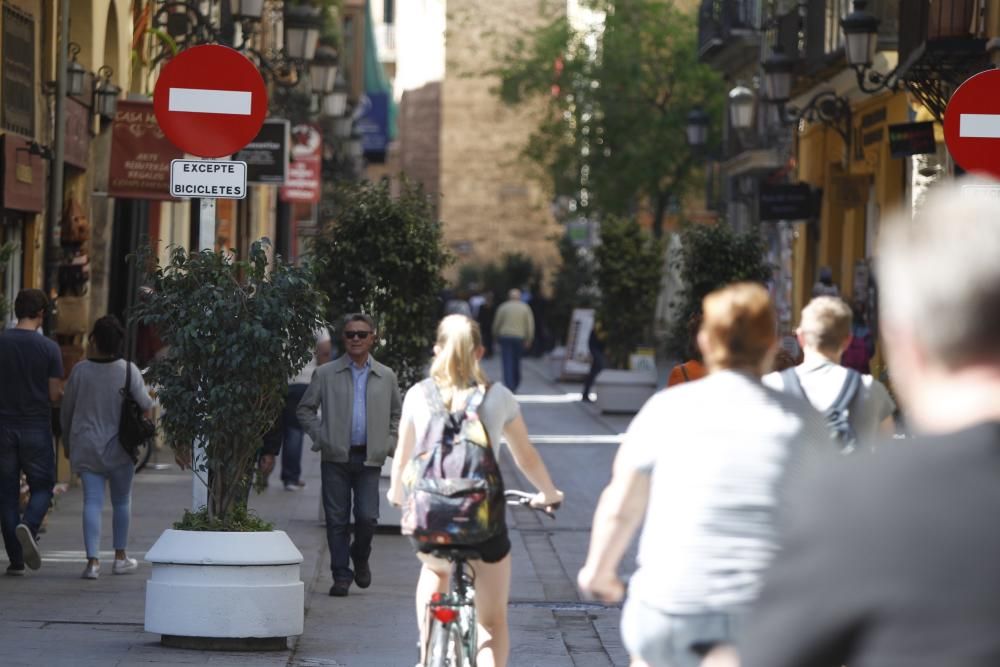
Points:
[451,638]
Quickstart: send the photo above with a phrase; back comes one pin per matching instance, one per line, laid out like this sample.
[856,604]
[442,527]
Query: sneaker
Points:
[340,589]
[29,546]
[292,486]
[91,571]
[125,566]
[362,575]
[15,570]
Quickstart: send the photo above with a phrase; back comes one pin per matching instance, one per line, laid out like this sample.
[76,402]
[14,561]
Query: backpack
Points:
[455,489]
[856,355]
[837,415]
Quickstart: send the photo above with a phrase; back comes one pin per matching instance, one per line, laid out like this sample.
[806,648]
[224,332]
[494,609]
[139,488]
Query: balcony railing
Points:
[719,21]
[925,22]
[385,40]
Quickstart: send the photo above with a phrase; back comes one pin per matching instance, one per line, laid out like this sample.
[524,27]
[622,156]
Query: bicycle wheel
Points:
[445,646]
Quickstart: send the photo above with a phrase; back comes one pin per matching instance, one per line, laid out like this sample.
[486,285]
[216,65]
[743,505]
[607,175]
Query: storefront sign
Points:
[77,133]
[23,176]
[17,81]
[908,139]
[303,184]
[217,179]
[267,155]
[788,201]
[140,154]
[373,125]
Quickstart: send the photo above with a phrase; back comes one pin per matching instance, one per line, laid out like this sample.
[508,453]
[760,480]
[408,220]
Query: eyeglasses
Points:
[357,334]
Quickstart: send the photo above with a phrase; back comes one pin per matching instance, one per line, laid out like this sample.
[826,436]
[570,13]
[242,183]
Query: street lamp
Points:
[105,94]
[778,75]
[75,72]
[323,70]
[697,128]
[247,10]
[741,104]
[302,24]
[860,36]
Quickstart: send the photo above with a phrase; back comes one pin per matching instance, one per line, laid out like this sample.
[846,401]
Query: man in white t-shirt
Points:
[824,333]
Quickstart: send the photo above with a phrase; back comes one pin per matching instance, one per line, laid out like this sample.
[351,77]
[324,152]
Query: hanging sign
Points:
[908,139]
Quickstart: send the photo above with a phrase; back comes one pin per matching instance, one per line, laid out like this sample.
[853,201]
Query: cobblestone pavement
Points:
[53,617]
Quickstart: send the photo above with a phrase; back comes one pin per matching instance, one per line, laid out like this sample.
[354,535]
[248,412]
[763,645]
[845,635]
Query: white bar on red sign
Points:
[979,125]
[203,100]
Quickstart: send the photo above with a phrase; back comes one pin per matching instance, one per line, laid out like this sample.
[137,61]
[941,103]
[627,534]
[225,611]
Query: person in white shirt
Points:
[703,463]
[824,333]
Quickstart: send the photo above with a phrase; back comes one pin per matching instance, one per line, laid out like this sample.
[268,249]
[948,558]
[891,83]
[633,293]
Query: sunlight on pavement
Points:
[548,398]
[608,439]
[74,556]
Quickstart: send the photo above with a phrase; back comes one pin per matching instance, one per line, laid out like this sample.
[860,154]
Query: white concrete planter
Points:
[624,391]
[210,587]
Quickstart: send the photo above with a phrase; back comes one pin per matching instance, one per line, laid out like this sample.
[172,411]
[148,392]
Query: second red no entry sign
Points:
[210,101]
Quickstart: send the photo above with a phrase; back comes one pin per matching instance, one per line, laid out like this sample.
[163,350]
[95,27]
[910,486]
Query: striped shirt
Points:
[717,450]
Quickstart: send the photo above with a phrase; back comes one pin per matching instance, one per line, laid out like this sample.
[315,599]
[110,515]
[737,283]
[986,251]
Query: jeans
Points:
[291,434]
[26,447]
[340,481]
[120,480]
[511,349]
[674,640]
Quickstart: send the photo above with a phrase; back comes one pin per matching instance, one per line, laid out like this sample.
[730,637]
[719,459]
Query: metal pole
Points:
[53,245]
[206,241]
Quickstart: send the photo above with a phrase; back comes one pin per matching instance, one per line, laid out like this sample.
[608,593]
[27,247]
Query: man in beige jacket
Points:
[514,327]
[361,404]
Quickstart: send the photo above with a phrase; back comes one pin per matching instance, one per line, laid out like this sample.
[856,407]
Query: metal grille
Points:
[17,82]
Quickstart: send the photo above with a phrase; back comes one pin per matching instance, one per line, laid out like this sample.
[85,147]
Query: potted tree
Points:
[629,267]
[235,331]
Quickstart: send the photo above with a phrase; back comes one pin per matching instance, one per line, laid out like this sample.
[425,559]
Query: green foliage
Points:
[241,520]
[6,252]
[574,286]
[384,256]
[629,267]
[235,331]
[711,257]
[514,270]
[619,93]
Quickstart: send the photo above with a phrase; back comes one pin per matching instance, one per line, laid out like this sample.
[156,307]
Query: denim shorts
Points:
[673,640]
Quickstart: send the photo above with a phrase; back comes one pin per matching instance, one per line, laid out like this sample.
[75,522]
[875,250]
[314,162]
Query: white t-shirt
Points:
[822,381]
[498,409]
[717,451]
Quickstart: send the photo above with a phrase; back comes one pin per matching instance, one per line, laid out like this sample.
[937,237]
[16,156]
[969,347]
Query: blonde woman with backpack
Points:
[457,381]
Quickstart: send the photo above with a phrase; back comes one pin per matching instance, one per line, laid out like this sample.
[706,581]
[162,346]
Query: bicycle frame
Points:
[455,612]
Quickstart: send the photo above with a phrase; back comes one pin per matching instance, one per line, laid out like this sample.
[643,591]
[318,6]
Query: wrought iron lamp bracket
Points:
[825,107]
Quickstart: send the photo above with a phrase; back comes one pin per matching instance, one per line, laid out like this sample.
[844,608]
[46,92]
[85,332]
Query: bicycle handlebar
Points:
[523,498]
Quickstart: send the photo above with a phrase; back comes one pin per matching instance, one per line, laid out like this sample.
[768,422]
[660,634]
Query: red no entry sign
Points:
[972,124]
[210,101]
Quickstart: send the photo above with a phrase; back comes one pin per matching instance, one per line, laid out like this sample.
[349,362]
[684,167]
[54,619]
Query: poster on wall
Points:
[140,154]
[267,155]
[373,125]
[303,183]
[577,362]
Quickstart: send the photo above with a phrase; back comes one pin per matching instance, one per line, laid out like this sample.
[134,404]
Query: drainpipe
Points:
[53,246]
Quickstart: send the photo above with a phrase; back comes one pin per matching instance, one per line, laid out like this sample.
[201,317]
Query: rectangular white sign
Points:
[979,125]
[208,179]
[204,100]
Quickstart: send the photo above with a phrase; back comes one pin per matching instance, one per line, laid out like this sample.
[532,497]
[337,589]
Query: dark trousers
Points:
[341,481]
[291,435]
[511,349]
[596,366]
[26,447]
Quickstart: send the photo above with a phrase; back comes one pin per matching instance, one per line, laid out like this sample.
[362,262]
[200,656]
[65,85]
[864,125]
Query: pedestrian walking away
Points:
[361,404]
[32,372]
[456,385]
[595,344]
[856,406]
[90,414]
[703,463]
[694,368]
[514,328]
[291,433]
[890,559]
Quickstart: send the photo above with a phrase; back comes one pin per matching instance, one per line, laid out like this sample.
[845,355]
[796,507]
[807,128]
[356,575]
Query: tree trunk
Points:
[662,200]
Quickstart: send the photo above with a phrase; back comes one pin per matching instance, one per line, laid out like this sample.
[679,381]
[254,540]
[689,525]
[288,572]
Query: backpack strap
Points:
[792,385]
[847,393]
[434,398]
[684,372]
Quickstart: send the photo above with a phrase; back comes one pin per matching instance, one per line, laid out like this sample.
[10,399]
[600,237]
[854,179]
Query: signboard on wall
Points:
[787,201]
[906,139]
[267,155]
[303,184]
[373,125]
[23,176]
[577,362]
[140,154]
[77,133]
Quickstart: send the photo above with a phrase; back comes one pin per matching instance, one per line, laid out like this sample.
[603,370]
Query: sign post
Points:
[210,101]
[972,124]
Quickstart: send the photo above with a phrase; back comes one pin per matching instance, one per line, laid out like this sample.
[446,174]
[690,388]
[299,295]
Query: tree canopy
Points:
[619,90]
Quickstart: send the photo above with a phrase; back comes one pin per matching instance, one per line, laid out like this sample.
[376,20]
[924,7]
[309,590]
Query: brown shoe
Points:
[340,589]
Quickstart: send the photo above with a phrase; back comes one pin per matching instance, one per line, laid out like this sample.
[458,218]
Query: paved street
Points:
[52,617]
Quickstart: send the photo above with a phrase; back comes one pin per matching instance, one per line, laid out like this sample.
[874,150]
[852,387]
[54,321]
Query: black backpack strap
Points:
[684,372]
[847,393]
[792,385]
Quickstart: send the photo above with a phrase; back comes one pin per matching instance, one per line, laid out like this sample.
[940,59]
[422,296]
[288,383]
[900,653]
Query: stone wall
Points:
[420,136]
